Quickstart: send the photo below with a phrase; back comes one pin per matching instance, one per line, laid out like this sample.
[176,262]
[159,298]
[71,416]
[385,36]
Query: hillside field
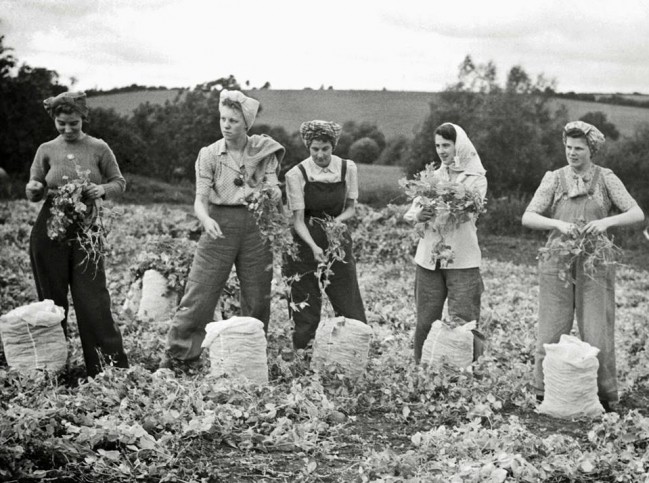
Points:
[394,112]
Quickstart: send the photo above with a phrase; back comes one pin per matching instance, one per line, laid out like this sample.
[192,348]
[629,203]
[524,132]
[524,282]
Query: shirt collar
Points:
[331,168]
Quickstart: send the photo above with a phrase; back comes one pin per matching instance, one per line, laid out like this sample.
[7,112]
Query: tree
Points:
[364,150]
[599,120]
[396,152]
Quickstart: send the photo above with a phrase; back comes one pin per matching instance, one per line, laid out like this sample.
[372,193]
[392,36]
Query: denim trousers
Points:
[462,287]
[592,299]
[57,265]
[241,246]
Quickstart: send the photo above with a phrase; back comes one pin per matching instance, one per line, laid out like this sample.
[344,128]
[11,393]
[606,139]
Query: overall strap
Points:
[564,183]
[343,169]
[301,168]
[593,182]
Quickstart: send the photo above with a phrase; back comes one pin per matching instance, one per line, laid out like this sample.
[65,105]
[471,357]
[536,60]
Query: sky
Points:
[585,46]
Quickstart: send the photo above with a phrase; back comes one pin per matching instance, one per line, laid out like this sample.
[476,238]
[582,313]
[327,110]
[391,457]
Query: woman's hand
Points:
[94,191]
[565,228]
[425,214]
[34,190]
[212,228]
[596,227]
[318,254]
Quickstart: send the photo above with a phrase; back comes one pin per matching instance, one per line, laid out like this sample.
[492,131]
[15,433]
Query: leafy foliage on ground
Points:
[396,423]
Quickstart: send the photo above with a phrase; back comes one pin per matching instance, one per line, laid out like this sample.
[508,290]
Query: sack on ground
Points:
[238,349]
[570,378]
[342,341]
[32,337]
[455,346]
[157,301]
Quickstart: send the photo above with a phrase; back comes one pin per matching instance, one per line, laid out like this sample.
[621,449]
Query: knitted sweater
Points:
[58,157]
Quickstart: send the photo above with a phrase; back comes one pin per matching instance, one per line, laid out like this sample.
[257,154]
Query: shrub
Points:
[365,150]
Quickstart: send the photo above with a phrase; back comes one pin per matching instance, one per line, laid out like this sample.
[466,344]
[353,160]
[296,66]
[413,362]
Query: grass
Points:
[394,112]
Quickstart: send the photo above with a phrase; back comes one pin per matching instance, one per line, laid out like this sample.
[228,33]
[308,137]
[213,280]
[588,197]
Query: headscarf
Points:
[77,100]
[249,106]
[466,157]
[594,136]
[312,129]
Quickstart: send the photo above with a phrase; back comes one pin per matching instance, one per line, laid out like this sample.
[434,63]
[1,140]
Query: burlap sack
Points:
[455,346]
[238,349]
[570,379]
[32,337]
[342,341]
[157,301]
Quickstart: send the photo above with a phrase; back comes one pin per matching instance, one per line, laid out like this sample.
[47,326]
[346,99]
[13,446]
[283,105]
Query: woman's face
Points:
[445,149]
[578,153]
[233,126]
[321,152]
[69,125]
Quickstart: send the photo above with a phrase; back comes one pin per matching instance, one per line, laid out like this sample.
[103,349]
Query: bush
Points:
[396,152]
[365,150]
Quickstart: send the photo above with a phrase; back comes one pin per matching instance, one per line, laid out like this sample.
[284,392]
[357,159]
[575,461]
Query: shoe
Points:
[539,398]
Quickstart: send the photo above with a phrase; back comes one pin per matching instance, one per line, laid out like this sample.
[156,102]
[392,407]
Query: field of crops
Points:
[397,423]
[394,112]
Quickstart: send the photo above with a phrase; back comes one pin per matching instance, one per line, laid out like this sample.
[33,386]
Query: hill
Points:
[394,112]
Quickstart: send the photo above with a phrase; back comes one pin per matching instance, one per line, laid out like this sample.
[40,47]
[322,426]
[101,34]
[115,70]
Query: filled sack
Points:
[237,349]
[157,301]
[32,337]
[570,379]
[455,346]
[342,341]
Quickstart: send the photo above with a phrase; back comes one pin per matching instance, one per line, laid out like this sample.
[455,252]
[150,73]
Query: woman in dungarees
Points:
[321,186]
[580,196]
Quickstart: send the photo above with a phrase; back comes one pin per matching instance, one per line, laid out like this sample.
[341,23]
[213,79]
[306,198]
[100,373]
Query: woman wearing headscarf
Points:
[228,172]
[59,264]
[583,194]
[321,186]
[459,281]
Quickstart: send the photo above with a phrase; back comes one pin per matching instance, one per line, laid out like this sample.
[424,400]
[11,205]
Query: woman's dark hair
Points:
[447,131]
[67,109]
[576,133]
[232,104]
[323,138]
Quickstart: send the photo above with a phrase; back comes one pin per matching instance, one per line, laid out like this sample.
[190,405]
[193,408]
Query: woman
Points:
[437,280]
[56,264]
[228,172]
[320,187]
[579,196]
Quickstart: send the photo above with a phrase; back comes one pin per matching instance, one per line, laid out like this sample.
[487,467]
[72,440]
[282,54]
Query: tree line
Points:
[512,126]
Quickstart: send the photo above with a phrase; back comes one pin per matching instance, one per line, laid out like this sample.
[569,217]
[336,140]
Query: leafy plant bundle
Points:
[274,225]
[596,251]
[74,218]
[451,203]
[172,257]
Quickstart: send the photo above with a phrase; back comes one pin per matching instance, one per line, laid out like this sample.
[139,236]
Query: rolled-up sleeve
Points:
[544,195]
[271,172]
[618,193]
[352,181]
[413,212]
[294,190]
[204,174]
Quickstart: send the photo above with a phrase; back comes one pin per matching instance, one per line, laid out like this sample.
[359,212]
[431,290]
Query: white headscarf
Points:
[466,157]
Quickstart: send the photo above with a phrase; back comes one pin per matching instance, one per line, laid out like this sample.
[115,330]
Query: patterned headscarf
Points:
[594,136]
[312,129]
[249,106]
[466,156]
[77,100]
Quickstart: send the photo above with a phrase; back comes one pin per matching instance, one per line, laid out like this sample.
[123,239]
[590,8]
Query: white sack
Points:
[570,378]
[237,349]
[455,346]
[157,301]
[342,341]
[32,337]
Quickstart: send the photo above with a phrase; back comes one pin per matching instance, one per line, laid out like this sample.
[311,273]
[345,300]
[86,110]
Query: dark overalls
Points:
[322,199]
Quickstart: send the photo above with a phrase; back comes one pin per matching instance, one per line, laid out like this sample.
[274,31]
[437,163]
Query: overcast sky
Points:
[587,46]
